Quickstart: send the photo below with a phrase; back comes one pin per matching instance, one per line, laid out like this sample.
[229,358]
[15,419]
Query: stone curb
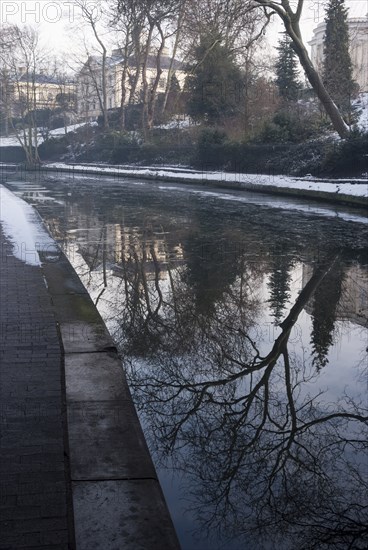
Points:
[117,499]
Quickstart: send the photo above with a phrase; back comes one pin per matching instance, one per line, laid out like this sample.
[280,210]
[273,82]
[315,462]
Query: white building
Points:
[358,33]
[89,81]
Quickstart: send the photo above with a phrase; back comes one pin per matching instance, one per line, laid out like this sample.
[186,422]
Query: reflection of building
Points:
[353,302]
[125,241]
[89,83]
[117,246]
[358,32]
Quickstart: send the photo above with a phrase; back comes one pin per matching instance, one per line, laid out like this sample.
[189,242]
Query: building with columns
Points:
[358,33]
[89,80]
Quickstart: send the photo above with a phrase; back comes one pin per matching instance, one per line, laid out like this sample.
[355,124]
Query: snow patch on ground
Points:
[12,141]
[186,123]
[357,188]
[72,128]
[362,103]
[24,229]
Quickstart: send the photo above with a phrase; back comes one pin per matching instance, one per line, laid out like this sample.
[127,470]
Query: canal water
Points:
[241,320]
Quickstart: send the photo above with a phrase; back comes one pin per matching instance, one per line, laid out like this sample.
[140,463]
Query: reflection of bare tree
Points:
[160,311]
[269,457]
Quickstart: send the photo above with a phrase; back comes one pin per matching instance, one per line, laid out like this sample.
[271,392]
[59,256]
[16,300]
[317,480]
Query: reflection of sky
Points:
[347,359]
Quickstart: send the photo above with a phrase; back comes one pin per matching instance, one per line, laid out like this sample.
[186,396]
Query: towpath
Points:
[75,469]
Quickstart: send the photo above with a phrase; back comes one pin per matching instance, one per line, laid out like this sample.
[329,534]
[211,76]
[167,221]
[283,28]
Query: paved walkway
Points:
[35,497]
[74,465]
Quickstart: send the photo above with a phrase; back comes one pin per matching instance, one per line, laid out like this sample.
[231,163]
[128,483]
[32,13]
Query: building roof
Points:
[41,78]
[117,59]
[352,22]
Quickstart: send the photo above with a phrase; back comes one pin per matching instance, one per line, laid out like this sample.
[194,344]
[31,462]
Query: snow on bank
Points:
[12,141]
[59,132]
[177,124]
[356,188]
[24,229]
[362,105]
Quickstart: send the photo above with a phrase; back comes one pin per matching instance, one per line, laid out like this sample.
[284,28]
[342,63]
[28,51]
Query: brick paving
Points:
[35,509]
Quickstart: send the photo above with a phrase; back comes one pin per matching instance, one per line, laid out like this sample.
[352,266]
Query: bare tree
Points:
[233,24]
[157,14]
[235,21]
[22,59]
[127,21]
[178,37]
[96,66]
[6,87]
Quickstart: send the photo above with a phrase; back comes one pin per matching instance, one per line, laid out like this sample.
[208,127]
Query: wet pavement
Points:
[75,468]
[35,484]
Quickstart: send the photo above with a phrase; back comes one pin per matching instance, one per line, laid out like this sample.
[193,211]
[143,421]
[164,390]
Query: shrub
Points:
[117,146]
[210,148]
[53,147]
[291,127]
[348,156]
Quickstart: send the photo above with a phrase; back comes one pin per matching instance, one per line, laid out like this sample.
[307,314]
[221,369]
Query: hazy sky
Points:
[57,20]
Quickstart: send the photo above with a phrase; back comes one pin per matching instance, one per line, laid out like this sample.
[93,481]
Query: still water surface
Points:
[242,324]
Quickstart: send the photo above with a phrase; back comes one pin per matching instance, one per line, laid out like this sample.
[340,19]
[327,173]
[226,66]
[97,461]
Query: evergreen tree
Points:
[337,69]
[287,70]
[325,303]
[214,82]
[174,84]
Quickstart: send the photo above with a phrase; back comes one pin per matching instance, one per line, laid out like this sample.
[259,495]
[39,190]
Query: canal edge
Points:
[269,189]
[116,495]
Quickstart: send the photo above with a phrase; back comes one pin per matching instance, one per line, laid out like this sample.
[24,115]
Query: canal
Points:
[241,320]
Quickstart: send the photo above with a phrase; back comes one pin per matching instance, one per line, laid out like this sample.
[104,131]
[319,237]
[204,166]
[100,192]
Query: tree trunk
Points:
[316,82]
[123,89]
[145,82]
[136,34]
[171,71]
[104,90]
[153,90]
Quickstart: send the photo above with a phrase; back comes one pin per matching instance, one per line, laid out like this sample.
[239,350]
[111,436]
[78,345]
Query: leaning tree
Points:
[291,21]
